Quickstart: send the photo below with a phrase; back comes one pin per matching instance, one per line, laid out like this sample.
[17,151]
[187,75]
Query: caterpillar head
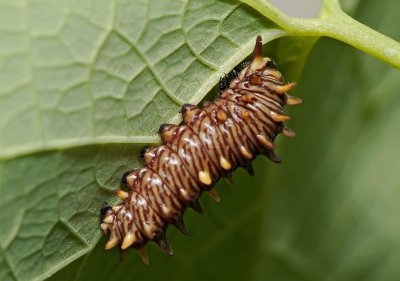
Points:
[117,224]
[114,223]
[107,217]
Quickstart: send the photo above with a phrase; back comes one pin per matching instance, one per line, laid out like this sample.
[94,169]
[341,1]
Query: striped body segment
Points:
[228,132]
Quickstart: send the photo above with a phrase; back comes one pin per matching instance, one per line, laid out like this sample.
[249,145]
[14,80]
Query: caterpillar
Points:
[212,141]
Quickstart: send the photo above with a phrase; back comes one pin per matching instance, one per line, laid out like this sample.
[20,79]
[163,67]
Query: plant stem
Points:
[334,23]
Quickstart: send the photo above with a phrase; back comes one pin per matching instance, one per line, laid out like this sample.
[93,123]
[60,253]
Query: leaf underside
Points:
[85,85]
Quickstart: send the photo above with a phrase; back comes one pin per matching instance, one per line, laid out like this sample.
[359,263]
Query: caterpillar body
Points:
[228,132]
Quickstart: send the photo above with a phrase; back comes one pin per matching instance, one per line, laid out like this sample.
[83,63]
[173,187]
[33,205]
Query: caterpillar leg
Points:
[143,255]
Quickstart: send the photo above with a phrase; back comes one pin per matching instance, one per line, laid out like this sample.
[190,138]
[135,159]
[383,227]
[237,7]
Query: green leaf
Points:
[85,85]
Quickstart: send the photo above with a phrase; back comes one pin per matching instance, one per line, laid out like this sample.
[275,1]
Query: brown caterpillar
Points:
[211,142]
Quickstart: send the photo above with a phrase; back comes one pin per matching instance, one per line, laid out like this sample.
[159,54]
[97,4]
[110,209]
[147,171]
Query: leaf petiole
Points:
[335,23]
